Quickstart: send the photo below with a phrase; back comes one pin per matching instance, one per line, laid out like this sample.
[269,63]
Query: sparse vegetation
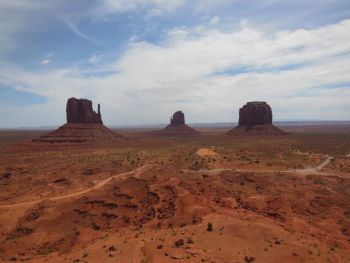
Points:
[210,227]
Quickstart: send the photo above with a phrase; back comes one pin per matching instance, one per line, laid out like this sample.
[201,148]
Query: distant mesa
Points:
[177,127]
[255,118]
[83,125]
[177,119]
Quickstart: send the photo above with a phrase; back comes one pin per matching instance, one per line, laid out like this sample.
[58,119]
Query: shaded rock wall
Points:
[81,111]
[255,113]
[177,119]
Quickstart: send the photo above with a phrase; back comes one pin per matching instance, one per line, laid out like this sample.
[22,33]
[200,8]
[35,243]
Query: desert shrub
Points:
[210,227]
[190,240]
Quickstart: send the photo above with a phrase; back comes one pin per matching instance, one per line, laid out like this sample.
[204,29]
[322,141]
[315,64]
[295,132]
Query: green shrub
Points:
[210,227]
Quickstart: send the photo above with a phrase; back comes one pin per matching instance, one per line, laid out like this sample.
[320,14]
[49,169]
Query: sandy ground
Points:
[176,200]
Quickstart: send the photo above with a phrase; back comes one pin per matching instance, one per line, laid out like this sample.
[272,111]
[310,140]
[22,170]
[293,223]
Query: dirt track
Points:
[137,171]
[79,193]
[312,170]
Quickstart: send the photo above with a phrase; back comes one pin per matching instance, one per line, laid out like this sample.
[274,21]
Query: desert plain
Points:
[146,197]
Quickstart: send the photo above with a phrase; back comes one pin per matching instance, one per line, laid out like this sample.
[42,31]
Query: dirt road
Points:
[98,185]
[138,171]
[312,170]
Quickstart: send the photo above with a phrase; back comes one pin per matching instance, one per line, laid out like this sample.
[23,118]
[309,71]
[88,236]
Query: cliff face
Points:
[80,111]
[255,118]
[177,119]
[255,113]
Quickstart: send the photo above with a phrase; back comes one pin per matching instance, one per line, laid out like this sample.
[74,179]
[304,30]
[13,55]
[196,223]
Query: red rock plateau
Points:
[255,118]
[83,125]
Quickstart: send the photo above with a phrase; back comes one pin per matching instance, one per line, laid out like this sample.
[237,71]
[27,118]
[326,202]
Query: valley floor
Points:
[210,198]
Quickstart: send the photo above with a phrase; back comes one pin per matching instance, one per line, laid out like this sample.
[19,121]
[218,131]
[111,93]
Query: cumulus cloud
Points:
[209,74]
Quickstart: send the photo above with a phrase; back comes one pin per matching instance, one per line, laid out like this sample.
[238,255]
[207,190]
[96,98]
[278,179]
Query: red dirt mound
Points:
[180,130]
[256,130]
[79,132]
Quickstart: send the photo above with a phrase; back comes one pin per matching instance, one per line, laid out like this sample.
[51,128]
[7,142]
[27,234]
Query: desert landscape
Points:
[213,195]
[175,131]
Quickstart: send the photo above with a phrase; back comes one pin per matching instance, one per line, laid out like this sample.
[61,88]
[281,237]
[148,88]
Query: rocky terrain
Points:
[208,198]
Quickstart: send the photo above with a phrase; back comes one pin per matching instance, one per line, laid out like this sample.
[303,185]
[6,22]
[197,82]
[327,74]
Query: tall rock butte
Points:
[80,111]
[255,118]
[255,113]
[177,119]
[178,126]
[83,125]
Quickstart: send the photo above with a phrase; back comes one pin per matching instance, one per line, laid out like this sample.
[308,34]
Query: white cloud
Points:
[209,74]
[215,20]
[95,58]
[45,61]
[154,7]
[72,26]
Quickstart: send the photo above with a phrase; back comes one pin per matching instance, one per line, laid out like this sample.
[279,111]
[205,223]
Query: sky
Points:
[142,60]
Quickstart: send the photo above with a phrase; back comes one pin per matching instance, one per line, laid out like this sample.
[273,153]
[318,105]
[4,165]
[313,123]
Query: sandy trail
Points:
[99,185]
[317,169]
[137,172]
[313,170]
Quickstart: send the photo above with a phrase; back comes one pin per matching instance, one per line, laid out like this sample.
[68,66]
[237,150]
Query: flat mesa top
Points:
[257,102]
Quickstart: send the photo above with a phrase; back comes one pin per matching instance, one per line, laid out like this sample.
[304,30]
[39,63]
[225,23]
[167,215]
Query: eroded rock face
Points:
[255,113]
[177,119]
[81,111]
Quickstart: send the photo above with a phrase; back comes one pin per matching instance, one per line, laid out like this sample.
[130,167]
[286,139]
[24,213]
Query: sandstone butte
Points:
[83,125]
[178,126]
[255,118]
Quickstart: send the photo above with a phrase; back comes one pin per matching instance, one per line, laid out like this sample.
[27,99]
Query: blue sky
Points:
[144,59]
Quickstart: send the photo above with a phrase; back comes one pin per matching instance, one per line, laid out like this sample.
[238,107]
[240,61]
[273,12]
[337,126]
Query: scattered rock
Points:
[5,176]
[249,259]
[179,243]
[60,180]
[112,248]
